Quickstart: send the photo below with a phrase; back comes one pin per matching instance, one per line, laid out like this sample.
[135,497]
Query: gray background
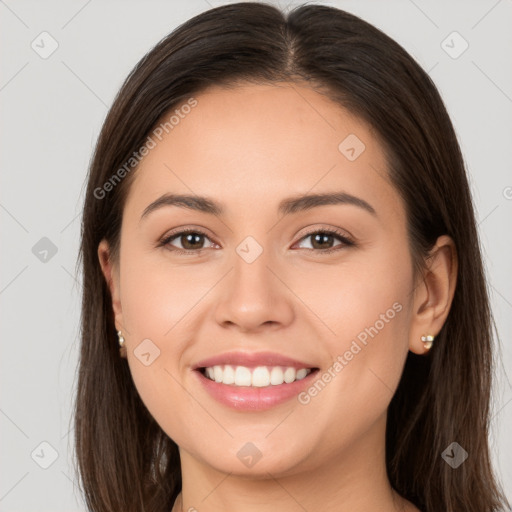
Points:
[52,110]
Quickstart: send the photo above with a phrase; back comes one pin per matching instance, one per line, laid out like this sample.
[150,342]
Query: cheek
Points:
[158,304]
[364,297]
[157,295]
[368,310]
[147,296]
[368,353]
[155,301]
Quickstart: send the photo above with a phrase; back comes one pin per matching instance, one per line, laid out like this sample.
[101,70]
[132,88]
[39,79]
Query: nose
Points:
[254,296]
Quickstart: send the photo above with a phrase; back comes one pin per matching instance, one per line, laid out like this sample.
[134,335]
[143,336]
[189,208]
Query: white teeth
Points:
[276,376]
[289,375]
[301,374]
[217,373]
[242,376]
[259,377]
[228,376]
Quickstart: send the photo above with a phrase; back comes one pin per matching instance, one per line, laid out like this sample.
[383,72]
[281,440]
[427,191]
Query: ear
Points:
[111,274]
[434,292]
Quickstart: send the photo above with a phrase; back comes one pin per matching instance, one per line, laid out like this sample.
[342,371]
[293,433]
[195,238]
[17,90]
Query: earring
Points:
[427,340]
[122,347]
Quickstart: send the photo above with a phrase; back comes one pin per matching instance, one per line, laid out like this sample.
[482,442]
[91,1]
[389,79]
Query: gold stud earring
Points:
[122,347]
[427,340]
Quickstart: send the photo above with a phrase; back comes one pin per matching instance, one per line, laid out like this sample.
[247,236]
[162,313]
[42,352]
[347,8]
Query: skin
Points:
[270,142]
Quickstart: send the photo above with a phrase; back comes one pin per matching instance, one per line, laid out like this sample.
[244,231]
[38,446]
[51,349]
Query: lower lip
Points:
[246,398]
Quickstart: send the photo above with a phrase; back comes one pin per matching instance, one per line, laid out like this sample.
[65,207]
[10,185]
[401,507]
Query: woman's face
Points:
[263,276]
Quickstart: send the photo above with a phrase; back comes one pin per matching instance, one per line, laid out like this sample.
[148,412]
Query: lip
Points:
[252,360]
[248,398]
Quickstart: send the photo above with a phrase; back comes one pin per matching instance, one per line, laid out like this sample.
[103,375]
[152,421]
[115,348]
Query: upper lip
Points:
[252,359]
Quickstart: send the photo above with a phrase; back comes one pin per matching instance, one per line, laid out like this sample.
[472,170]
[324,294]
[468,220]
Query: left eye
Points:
[322,236]
[194,239]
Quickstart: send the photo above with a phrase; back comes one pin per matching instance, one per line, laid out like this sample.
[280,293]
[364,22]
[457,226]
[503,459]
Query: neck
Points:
[350,480]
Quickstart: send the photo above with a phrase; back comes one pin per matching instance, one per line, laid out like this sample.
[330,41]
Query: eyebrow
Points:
[286,206]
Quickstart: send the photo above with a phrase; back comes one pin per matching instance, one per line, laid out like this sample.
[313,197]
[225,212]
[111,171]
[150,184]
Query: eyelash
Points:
[346,241]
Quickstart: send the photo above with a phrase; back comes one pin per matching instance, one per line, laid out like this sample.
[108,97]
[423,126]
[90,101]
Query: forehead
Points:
[253,144]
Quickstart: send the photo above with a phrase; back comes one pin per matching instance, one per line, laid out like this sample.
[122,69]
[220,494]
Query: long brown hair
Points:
[125,460]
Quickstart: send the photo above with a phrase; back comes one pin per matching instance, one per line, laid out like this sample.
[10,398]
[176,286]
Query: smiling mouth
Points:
[257,377]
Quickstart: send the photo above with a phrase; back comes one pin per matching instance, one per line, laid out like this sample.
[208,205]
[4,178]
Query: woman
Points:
[285,306]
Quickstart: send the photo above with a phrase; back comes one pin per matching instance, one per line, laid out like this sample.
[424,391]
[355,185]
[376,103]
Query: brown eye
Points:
[191,241]
[322,240]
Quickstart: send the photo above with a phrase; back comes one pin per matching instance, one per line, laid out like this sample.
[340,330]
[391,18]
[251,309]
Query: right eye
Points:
[190,237]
